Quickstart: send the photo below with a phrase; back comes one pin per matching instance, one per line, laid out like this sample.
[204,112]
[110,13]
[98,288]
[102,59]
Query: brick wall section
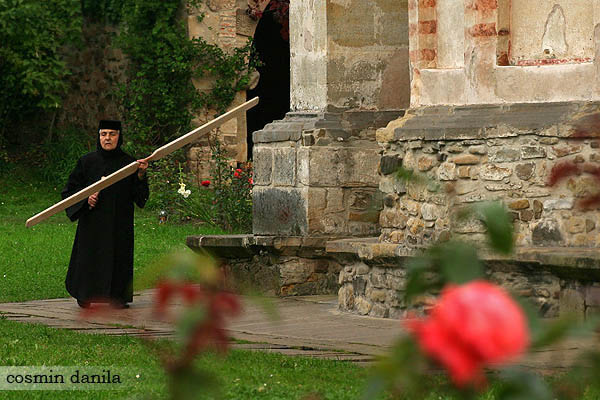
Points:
[424,31]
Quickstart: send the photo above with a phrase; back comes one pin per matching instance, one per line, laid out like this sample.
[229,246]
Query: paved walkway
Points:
[309,326]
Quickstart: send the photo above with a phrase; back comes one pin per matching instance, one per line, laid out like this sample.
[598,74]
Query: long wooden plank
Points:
[131,168]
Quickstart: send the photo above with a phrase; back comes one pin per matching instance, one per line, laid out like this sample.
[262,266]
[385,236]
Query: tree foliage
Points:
[32,67]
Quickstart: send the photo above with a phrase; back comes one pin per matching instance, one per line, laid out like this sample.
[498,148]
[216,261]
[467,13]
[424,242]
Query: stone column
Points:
[316,170]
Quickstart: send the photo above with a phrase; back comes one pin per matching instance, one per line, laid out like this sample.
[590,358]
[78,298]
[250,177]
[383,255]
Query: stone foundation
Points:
[478,153]
[369,277]
[555,281]
[290,266]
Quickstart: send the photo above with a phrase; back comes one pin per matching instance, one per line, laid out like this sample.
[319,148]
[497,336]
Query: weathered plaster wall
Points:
[350,54]
[367,66]
[308,55]
[498,51]
[560,29]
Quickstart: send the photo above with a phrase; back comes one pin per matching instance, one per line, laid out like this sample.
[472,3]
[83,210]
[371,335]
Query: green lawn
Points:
[240,375]
[34,260]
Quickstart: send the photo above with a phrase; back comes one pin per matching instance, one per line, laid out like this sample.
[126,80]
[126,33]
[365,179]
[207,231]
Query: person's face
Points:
[109,139]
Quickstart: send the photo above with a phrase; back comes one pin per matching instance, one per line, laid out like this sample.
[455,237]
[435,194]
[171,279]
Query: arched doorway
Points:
[273,47]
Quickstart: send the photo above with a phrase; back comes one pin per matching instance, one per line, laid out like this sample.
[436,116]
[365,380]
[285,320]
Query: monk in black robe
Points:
[101,265]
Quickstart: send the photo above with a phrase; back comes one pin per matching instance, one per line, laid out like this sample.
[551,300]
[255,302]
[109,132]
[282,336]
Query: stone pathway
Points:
[306,326]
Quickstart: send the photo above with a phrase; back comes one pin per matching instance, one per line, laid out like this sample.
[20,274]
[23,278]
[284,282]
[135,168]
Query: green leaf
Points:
[523,385]
[499,226]
[459,262]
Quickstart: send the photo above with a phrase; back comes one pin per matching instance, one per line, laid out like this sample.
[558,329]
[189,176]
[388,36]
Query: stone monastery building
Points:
[482,96]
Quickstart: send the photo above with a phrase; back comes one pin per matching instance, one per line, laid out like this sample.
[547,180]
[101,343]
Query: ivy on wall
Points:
[159,99]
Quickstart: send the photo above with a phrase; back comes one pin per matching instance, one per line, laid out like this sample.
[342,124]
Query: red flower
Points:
[470,326]
[251,181]
[236,174]
[205,183]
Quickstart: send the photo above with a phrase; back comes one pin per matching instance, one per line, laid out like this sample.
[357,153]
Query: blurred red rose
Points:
[236,174]
[205,183]
[472,325]
[251,181]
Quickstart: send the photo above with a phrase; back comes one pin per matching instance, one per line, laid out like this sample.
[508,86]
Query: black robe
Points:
[101,265]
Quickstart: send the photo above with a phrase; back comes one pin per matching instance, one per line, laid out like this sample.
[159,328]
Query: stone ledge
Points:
[246,246]
[487,121]
[573,263]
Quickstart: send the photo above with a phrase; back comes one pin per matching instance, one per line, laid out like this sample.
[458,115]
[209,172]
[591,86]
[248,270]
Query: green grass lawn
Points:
[34,260]
[240,374]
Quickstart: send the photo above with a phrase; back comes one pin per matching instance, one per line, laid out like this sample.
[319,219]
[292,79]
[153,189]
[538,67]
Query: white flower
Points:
[137,376]
[186,193]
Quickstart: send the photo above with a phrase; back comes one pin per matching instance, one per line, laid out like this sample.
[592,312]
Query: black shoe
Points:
[83,304]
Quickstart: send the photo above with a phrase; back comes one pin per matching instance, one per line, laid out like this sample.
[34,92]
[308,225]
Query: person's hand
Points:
[93,200]
[142,166]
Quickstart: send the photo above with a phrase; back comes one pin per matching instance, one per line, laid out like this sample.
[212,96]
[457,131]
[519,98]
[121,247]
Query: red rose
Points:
[251,181]
[238,170]
[205,183]
[470,326]
[236,174]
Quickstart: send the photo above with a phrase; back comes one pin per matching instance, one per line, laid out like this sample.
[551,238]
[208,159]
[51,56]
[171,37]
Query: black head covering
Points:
[110,124]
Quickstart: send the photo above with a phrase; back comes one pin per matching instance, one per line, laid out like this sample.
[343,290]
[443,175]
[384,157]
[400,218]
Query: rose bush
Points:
[471,326]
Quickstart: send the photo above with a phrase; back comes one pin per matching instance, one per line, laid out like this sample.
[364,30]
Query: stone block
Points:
[479,150]
[447,172]
[572,303]
[358,167]
[526,215]
[391,184]
[558,204]
[295,271]
[346,297]
[525,171]
[389,164]
[465,159]
[519,204]
[425,163]
[284,166]
[505,155]
[592,296]
[589,225]
[324,167]
[431,212]
[263,165]
[335,200]
[538,207]
[279,211]
[582,186]
[547,233]
[379,311]
[575,225]
[392,218]
[528,152]
[491,172]
[362,305]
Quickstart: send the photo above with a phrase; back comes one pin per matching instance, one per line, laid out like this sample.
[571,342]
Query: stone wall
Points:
[376,289]
[555,281]
[316,174]
[478,153]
